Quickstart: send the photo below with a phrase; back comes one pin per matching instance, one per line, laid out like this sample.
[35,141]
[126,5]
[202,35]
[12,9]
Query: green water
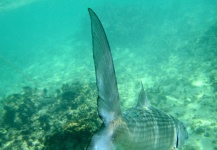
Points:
[169,45]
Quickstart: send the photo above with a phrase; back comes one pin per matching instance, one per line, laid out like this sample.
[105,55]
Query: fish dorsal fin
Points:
[143,100]
[108,97]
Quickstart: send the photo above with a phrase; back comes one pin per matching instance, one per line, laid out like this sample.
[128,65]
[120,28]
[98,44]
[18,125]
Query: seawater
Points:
[47,79]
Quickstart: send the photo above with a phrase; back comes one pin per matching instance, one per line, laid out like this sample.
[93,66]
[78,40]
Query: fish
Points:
[142,127]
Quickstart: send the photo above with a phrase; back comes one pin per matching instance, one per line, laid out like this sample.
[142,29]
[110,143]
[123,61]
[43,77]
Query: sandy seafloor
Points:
[52,104]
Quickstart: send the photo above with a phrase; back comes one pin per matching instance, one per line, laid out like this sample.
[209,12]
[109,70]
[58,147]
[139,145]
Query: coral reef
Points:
[35,119]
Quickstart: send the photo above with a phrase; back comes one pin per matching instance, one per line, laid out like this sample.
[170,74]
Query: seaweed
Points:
[9,116]
[64,119]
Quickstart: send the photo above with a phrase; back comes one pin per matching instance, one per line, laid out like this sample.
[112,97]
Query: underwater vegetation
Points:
[66,119]
[36,119]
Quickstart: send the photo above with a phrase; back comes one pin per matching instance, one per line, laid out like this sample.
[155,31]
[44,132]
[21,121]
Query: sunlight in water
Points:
[12,4]
[198,83]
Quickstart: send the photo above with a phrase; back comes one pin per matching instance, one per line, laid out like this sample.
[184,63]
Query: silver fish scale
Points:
[150,129]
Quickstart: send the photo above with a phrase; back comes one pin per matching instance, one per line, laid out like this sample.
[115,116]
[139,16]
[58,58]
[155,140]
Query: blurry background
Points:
[169,45]
[50,41]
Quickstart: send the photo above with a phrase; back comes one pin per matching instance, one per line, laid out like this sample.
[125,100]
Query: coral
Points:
[65,119]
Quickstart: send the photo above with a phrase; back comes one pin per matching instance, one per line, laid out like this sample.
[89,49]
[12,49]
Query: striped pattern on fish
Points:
[142,127]
[151,126]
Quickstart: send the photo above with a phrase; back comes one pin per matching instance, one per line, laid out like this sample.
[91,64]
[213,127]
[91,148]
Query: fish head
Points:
[182,134]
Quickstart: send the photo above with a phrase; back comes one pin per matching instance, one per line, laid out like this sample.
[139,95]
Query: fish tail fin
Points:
[108,97]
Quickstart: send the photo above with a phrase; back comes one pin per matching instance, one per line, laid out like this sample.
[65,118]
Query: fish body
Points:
[142,127]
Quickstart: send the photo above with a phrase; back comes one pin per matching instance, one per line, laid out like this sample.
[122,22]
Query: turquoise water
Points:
[47,82]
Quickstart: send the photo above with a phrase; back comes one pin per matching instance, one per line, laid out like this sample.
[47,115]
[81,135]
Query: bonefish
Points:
[142,127]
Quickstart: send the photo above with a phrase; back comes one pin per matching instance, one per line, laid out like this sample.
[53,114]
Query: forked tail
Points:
[108,97]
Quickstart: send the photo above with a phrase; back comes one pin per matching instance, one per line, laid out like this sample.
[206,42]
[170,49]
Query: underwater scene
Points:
[48,93]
